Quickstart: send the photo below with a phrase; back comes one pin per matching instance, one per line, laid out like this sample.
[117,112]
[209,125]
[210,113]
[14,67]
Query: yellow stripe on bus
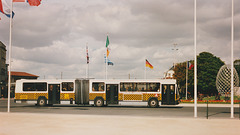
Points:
[92,96]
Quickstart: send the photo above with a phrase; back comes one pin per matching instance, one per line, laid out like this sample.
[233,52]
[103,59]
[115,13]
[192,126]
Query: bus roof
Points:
[98,80]
[134,80]
[46,80]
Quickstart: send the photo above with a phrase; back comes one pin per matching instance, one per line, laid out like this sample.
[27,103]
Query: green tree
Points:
[237,67]
[180,76]
[208,66]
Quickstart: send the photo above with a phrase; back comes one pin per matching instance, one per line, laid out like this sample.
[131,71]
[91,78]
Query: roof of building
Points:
[2,46]
[15,73]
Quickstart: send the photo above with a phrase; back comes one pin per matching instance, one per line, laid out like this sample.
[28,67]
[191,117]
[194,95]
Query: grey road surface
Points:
[180,111]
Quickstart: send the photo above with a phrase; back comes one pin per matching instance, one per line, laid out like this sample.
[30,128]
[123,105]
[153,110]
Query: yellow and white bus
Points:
[98,92]
[133,92]
[42,92]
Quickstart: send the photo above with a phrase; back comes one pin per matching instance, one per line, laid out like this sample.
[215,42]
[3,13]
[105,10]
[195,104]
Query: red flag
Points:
[5,8]
[19,0]
[34,2]
[191,66]
[87,54]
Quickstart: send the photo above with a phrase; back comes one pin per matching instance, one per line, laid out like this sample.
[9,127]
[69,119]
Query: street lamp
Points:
[174,49]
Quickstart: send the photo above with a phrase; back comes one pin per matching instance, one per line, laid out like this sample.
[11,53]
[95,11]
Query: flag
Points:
[190,65]
[87,54]
[108,52]
[5,8]
[107,42]
[148,64]
[34,2]
[31,2]
[19,0]
[108,61]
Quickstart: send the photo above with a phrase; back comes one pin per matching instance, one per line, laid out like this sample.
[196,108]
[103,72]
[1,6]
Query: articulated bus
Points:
[98,92]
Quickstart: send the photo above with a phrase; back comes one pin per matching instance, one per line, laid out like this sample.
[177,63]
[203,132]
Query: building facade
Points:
[2,62]
[3,68]
[169,74]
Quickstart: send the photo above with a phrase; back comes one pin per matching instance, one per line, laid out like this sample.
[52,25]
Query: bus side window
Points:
[28,86]
[164,89]
[140,87]
[101,87]
[97,86]
[172,89]
[122,87]
[67,86]
[125,87]
[39,86]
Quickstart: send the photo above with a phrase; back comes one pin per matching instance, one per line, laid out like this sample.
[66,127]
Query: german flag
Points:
[148,64]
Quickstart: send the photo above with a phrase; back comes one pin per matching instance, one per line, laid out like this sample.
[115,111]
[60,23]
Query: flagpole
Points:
[86,66]
[145,71]
[232,40]
[186,78]
[106,65]
[107,43]
[10,54]
[87,69]
[195,57]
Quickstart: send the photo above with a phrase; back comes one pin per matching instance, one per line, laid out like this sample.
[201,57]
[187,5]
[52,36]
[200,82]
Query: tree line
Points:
[208,66]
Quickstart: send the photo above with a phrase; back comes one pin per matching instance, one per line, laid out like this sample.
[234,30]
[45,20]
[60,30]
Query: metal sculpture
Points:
[223,80]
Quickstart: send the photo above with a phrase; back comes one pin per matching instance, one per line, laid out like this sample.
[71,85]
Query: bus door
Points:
[112,93]
[168,94]
[53,93]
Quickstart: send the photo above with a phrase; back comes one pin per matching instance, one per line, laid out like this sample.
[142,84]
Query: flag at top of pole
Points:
[5,8]
[31,2]
[34,2]
[19,0]
[107,42]
[190,65]
[148,64]
[87,54]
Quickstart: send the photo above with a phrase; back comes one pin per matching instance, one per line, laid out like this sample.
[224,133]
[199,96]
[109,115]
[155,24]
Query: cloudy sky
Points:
[52,38]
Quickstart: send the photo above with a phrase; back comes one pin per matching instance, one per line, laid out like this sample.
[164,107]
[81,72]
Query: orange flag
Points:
[148,64]
[34,2]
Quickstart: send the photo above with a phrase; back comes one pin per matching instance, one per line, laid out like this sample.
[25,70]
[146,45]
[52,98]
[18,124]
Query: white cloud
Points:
[51,38]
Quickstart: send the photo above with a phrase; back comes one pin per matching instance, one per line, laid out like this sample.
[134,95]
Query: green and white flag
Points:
[107,42]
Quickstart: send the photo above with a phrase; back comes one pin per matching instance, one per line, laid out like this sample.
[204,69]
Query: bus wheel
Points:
[153,103]
[98,102]
[41,101]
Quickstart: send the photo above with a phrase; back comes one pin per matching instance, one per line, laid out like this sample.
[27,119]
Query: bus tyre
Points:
[41,101]
[98,102]
[153,103]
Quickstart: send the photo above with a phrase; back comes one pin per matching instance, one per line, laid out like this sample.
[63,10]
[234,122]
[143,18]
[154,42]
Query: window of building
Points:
[3,71]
